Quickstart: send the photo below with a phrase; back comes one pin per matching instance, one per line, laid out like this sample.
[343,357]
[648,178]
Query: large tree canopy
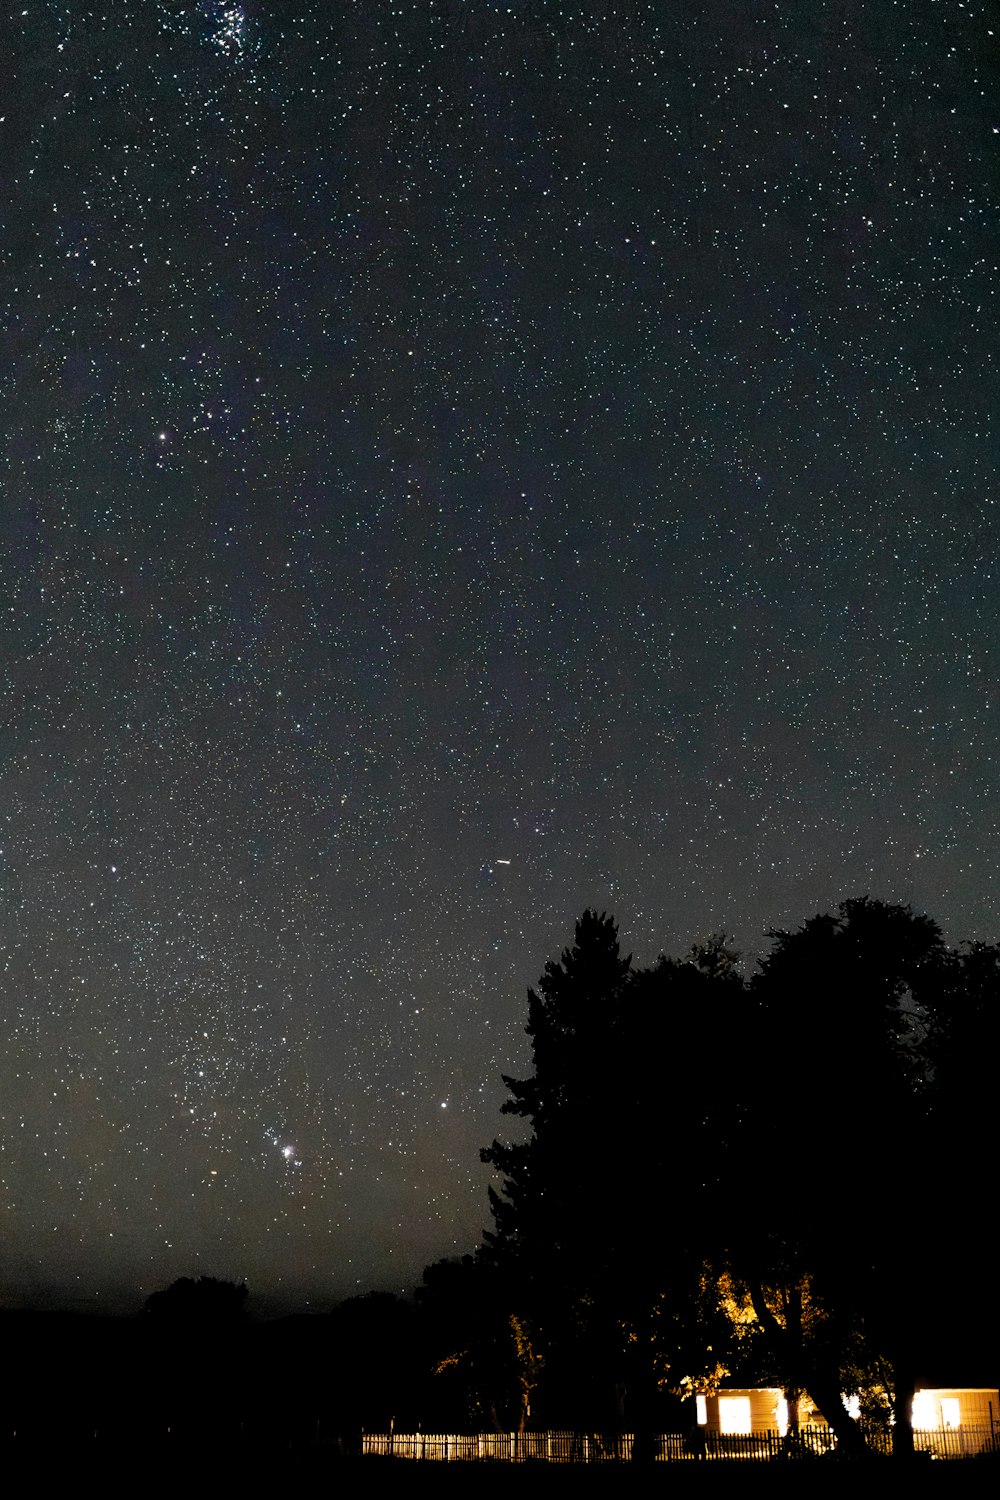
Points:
[627,1107]
[719,1173]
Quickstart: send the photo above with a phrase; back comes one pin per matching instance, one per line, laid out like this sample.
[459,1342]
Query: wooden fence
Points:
[697,1445]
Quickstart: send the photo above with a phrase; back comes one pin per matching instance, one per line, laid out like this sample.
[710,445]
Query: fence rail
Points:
[670,1447]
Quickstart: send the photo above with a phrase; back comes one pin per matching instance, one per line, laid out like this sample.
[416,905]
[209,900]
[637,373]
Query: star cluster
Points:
[463,462]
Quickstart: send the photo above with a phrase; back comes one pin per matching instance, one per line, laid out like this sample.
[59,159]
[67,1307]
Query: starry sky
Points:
[462,463]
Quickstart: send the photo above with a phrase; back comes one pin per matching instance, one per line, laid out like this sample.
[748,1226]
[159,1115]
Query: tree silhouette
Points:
[842,1117]
[963,1046]
[608,1208]
[205,1302]
[571,1020]
[544,1236]
[679,1062]
[199,1340]
[720,1176]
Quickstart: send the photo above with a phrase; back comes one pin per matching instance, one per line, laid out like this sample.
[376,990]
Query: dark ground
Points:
[318,1472]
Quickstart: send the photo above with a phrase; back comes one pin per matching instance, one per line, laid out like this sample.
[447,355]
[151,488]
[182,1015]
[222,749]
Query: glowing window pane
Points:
[924,1410]
[701,1408]
[734,1414]
[950,1414]
[781,1414]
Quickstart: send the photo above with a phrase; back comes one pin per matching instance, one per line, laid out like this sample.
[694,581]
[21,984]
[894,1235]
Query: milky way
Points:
[462,463]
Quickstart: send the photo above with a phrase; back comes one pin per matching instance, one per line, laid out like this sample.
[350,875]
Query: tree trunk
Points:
[904,1388]
[793,1390]
[822,1384]
[825,1391]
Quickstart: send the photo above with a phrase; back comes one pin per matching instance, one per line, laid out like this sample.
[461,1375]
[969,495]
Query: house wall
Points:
[765,1406]
[934,1408]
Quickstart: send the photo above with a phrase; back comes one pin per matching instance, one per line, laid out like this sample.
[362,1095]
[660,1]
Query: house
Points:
[954,1408]
[954,1420]
[736,1411]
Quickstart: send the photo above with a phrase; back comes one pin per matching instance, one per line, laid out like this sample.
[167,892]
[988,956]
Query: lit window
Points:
[950,1414]
[781,1415]
[701,1408]
[925,1411]
[734,1414]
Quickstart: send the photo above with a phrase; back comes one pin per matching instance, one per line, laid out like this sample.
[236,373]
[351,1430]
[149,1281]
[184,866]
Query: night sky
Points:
[462,463]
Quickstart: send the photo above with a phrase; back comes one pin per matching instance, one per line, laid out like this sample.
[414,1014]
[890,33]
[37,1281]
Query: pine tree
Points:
[558,1181]
[571,1020]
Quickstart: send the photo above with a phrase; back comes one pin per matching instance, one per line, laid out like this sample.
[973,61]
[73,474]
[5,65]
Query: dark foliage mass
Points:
[779,1177]
[202,1302]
